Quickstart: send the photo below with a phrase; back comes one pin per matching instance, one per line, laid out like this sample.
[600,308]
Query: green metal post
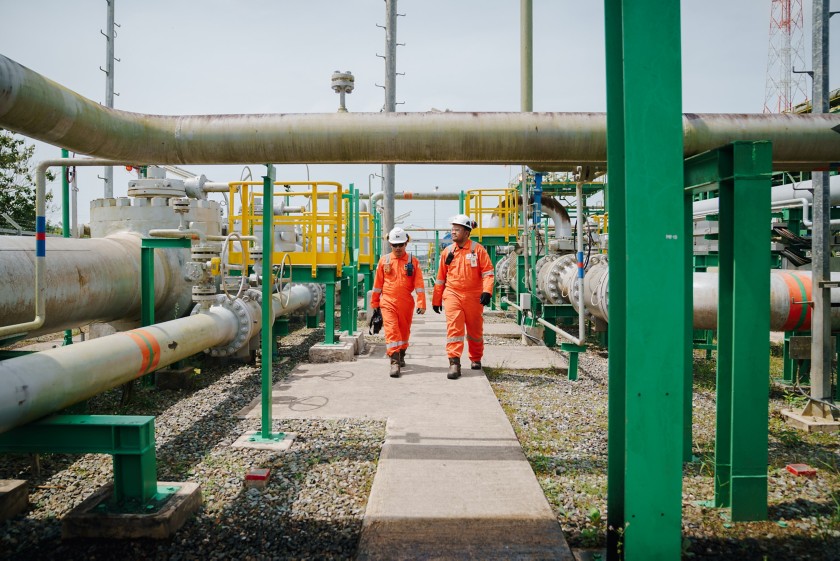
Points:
[652,226]
[329,314]
[147,284]
[267,334]
[751,324]
[688,313]
[723,381]
[617,208]
[65,221]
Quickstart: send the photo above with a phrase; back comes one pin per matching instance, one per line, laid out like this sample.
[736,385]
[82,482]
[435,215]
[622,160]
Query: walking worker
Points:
[464,286]
[398,274]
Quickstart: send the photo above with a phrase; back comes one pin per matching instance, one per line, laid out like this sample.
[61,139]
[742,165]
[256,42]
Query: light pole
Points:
[434,224]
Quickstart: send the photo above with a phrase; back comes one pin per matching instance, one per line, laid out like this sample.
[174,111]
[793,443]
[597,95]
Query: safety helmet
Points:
[463,220]
[398,235]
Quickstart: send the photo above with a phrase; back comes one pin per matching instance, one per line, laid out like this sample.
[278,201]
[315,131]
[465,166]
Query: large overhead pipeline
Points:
[38,384]
[42,109]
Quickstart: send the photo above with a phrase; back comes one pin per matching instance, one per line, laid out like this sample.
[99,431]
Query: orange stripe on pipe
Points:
[799,290]
[155,347]
[408,195]
[145,351]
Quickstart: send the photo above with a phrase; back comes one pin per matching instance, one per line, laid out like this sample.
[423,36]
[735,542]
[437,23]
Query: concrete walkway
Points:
[452,481]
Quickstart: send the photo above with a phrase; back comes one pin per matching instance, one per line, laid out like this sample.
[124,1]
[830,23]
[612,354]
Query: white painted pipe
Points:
[85,280]
[38,384]
[33,105]
[778,196]
[790,298]
[40,236]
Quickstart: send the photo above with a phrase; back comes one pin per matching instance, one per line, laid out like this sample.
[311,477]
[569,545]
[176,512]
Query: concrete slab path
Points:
[452,481]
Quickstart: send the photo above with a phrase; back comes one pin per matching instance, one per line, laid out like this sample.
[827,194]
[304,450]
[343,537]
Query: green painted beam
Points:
[129,439]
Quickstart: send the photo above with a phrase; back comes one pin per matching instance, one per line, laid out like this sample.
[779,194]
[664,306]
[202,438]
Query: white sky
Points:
[263,56]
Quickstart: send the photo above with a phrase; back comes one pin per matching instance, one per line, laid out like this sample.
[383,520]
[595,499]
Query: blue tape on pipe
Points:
[40,236]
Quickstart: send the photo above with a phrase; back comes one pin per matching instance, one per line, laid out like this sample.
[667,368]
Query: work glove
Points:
[421,311]
[436,309]
[485,298]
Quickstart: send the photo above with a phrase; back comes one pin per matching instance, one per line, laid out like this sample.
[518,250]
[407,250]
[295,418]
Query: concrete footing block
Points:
[533,335]
[338,352]
[357,338]
[14,497]
[89,520]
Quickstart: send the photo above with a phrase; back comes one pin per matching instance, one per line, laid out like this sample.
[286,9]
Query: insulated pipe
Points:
[41,109]
[409,195]
[85,280]
[40,231]
[790,298]
[778,196]
[38,384]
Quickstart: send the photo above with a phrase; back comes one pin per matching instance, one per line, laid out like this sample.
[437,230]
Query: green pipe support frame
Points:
[129,439]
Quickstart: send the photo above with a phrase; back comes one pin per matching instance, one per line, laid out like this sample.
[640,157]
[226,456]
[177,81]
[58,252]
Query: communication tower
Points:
[785,83]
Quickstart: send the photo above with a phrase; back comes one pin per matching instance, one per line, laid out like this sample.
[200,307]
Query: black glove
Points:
[436,309]
[421,311]
[485,298]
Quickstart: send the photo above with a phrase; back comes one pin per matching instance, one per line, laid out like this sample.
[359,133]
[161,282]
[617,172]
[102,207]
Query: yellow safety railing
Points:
[310,228]
[603,222]
[366,239]
[495,211]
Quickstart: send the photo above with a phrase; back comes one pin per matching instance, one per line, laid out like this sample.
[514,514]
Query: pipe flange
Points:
[206,252]
[202,293]
[247,316]
[317,291]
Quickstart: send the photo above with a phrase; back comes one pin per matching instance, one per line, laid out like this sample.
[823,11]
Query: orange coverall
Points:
[392,289]
[459,286]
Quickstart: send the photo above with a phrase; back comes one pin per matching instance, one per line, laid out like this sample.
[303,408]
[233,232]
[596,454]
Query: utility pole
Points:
[109,85]
[389,170]
[821,347]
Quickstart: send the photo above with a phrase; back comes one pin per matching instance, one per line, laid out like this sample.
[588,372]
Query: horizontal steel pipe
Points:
[790,297]
[40,108]
[38,384]
[35,385]
[85,280]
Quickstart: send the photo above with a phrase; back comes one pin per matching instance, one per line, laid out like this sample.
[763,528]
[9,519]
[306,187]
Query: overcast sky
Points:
[262,56]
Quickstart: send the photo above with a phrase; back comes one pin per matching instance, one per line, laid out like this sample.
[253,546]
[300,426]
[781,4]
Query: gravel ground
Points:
[312,509]
[562,426]
[314,505]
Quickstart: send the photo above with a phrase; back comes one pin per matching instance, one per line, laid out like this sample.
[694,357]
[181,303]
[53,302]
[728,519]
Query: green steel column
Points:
[723,382]
[267,335]
[346,300]
[688,311]
[751,325]
[656,344]
[329,314]
[147,284]
[615,205]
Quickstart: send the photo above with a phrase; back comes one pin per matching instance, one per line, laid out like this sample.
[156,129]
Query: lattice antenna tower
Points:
[785,88]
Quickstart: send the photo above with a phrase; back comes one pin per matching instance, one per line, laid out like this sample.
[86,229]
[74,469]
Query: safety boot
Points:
[475,365]
[395,365]
[454,368]
[402,358]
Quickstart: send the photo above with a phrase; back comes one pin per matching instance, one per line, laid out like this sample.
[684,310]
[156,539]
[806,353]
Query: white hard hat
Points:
[398,235]
[463,220]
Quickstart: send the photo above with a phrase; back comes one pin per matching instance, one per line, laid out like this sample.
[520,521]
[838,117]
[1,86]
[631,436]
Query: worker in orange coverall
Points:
[397,276]
[464,286]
